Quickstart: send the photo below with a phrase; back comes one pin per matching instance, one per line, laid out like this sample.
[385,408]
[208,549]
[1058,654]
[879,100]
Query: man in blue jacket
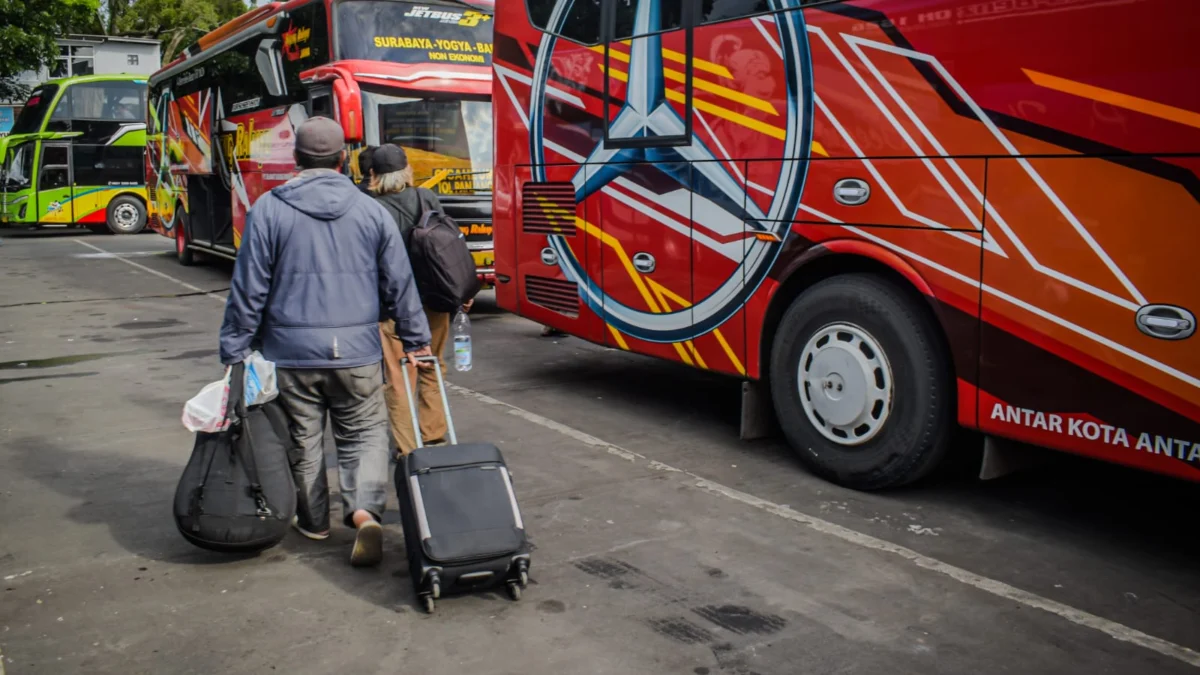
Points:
[319,266]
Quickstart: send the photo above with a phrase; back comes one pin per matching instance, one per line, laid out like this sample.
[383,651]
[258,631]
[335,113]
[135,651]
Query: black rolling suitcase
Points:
[462,527]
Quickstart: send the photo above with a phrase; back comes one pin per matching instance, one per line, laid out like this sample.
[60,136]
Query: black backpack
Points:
[236,494]
[442,264]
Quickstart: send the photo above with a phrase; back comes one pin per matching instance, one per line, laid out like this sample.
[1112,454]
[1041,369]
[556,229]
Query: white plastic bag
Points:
[260,380]
[206,410]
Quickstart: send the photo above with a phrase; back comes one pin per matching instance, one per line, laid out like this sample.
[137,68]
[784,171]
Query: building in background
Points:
[88,55]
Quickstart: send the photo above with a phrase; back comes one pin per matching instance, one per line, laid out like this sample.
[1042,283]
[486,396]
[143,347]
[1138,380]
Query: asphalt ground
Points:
[663,543]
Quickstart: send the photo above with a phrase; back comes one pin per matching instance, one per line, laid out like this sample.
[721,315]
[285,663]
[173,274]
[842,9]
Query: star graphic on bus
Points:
[648,133]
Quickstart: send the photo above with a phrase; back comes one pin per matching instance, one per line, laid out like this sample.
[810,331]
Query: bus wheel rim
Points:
[125,216]
[845,384]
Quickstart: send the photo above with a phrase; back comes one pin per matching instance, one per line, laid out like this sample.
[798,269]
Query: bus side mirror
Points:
[349,104]
[270,67]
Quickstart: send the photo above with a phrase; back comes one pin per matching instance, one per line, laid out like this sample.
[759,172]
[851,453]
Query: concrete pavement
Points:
[663,544]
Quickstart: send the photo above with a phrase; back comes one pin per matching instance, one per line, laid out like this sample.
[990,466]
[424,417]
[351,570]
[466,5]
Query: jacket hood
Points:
[323,194]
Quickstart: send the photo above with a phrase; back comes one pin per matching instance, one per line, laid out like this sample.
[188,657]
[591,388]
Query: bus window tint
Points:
[18,169]
[34,113]
[305,45]
[406,33]
[56,172]
[712,11]
[668,17]
[452,134]
[107,164]
[581,22]
[105,101]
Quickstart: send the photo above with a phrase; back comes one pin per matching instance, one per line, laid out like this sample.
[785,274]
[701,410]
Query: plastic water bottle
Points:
[462,342]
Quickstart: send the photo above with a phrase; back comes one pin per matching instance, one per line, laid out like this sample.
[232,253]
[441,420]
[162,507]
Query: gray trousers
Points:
[353,398]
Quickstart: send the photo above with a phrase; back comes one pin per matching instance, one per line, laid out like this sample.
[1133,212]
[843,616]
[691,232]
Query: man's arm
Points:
[398,290]
[249,289]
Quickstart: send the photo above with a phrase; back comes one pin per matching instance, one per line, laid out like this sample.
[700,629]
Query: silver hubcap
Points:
[845,384]
[125,216]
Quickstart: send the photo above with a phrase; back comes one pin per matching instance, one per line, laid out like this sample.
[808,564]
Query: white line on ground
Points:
[1079,617]
[998,588]
[155,272]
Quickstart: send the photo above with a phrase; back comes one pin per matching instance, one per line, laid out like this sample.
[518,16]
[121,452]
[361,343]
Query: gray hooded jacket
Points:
[319,265]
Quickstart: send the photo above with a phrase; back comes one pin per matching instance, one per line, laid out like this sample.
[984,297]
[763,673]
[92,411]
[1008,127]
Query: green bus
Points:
[75,156]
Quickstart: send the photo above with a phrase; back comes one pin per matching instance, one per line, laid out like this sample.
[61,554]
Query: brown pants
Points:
[429,401]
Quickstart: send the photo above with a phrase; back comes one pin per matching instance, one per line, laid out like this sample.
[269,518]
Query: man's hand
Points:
[423,351]
[467,305]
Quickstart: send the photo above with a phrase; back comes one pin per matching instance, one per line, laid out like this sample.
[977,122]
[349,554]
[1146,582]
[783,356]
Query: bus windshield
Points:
[404,32]
[34,113]
[437,133]
[18,167]
[109,101]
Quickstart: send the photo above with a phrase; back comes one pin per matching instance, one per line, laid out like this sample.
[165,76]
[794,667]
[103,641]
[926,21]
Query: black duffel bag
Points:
[236,494]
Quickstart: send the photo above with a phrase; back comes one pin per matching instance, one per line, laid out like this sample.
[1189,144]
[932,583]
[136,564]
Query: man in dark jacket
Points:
[320,264]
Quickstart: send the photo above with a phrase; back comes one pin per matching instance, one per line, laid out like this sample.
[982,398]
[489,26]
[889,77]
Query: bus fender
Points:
[880,254]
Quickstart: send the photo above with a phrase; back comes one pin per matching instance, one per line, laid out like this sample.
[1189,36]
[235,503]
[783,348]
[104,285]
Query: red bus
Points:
[890,217]
[222,115]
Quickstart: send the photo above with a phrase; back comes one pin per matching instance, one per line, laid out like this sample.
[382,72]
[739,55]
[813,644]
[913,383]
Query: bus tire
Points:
[126,215]
[183,253]
[860,383]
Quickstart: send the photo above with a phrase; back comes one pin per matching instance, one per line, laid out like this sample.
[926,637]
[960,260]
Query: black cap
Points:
[389,158]
[364,158]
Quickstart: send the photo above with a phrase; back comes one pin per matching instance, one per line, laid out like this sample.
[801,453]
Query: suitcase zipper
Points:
[456,467]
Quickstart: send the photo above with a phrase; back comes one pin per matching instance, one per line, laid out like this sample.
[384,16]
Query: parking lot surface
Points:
[663,543]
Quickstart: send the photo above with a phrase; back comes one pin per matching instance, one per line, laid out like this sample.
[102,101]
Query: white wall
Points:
[113,57]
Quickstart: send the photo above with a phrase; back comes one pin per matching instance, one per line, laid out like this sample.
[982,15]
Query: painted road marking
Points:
[155,272]
[1000,589]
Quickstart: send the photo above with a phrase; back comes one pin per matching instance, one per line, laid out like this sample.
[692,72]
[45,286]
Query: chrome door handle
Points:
[1166,322]
[644,262]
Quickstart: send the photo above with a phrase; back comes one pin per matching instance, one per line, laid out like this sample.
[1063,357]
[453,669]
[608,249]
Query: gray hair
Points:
[394,181]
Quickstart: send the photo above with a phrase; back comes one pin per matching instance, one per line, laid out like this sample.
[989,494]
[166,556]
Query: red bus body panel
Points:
[1033,167]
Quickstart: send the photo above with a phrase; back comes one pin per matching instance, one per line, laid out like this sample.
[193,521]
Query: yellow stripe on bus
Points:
[713,109]
[670,55]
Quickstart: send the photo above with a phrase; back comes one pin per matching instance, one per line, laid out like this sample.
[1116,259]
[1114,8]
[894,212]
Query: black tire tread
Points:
[877,296]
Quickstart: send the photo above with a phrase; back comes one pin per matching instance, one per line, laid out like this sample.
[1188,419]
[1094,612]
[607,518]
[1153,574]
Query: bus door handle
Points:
[1166,322]
[644,262]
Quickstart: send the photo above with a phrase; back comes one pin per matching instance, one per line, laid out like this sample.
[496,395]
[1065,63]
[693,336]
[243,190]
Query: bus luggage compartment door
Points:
[556,256]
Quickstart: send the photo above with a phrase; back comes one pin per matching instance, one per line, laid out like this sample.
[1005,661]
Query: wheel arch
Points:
[838,257]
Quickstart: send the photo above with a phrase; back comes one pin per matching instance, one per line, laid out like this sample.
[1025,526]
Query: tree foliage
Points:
[176,22]
[27,32]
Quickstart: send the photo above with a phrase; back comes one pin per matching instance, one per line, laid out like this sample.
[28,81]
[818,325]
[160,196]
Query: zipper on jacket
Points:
[336,355]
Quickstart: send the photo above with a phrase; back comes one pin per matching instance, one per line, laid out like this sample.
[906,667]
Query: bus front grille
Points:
[559,295]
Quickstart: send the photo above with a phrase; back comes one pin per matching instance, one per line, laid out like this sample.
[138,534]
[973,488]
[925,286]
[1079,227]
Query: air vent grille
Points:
[557,294]
[548,208]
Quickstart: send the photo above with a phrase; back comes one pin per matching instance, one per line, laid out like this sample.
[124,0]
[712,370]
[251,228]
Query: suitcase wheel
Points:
[427,603]
[514,590]
[435,585]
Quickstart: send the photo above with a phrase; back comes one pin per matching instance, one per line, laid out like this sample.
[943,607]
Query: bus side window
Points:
[56,172]
[580,22]
[712,11]
[670,17]
[322,106]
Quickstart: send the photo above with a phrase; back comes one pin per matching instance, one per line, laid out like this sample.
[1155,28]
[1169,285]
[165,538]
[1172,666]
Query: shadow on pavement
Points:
[132,498]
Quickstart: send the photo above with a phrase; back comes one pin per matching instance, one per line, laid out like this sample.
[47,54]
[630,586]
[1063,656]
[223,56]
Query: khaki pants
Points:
[429,401]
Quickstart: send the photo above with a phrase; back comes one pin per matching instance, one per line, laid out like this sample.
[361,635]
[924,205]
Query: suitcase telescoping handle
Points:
[412,404]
